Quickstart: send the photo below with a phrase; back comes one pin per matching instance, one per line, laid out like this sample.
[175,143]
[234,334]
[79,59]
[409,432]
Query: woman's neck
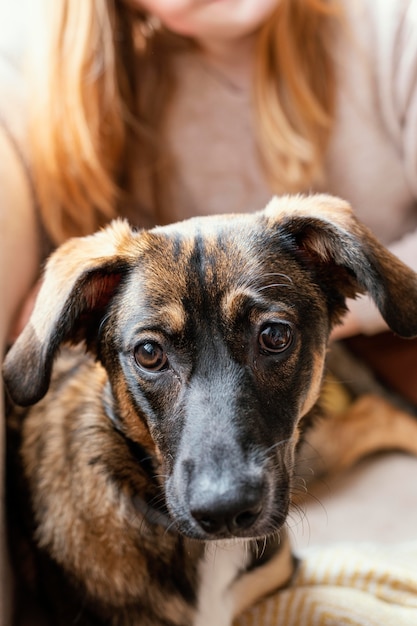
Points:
[232,60]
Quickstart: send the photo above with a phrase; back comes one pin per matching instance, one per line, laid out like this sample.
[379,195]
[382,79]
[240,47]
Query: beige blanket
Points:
[346,584]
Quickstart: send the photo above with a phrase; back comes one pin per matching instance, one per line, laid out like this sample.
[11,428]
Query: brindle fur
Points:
[109,439]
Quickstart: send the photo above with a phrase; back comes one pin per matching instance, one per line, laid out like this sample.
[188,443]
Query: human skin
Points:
[224,30]
[19,266]
[227,20]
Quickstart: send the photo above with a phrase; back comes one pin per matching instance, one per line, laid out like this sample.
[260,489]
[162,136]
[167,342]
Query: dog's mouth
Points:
[204,503]
[255,515]
[245,512]
[248,525]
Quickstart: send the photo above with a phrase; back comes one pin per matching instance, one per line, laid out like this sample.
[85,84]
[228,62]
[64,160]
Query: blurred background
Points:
[14,26]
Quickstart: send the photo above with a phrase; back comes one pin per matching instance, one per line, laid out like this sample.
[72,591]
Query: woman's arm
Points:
[19,266]
[395,66]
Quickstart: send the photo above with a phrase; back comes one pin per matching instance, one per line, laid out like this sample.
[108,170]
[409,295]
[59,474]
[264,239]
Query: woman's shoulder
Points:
[384,34]
[376,117]
[13,100]
[384,21]
[14,30]
[378,9]
[18,196]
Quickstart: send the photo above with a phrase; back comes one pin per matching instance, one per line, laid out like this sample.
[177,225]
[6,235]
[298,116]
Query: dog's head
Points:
[213,333]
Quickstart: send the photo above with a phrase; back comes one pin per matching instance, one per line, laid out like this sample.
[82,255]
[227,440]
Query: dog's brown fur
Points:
[108,468]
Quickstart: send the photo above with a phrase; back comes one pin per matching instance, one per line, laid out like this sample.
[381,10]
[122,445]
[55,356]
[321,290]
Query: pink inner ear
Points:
[99,289]
[317,244]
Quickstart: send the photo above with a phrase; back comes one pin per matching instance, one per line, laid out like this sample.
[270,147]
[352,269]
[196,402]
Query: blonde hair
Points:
[85,116]
[295,91]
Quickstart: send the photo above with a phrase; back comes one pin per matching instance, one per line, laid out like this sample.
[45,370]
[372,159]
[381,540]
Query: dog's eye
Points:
[150,356]
[276,337]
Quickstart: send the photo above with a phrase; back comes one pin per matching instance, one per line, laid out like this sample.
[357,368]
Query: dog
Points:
[171,379]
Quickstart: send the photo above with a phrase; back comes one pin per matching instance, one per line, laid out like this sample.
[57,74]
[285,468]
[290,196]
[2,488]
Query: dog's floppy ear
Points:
[324,229]
[79,281]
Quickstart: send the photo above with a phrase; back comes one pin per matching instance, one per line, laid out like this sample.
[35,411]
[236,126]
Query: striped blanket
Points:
[346,584]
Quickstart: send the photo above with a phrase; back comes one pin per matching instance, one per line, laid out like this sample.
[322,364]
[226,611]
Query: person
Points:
[157,110]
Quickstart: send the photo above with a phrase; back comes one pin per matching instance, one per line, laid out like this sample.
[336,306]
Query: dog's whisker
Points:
[268,452]
[278,444]
[306,494]
[288,283]
[319,502]
[297,516]
[157,500]
[139,518]
[275,523]
[273,285]
[303,484]
[162,476]
[281,274]
[262,551]
[169,528]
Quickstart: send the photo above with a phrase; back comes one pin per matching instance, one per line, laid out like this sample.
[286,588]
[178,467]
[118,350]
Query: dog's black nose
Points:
[231,512]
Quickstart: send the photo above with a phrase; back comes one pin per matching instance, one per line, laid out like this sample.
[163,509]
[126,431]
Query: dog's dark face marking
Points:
[213,333]
[221,361]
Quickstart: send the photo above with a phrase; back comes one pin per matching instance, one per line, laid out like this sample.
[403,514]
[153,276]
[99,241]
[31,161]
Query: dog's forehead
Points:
[210,267]
[219,251]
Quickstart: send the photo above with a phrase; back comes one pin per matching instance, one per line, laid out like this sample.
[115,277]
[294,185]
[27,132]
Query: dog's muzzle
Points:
[224,482]
[215,504]
[225,506]
[228,499]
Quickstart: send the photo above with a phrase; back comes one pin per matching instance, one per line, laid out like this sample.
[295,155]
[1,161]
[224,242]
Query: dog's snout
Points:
[232,511]
[217,521]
